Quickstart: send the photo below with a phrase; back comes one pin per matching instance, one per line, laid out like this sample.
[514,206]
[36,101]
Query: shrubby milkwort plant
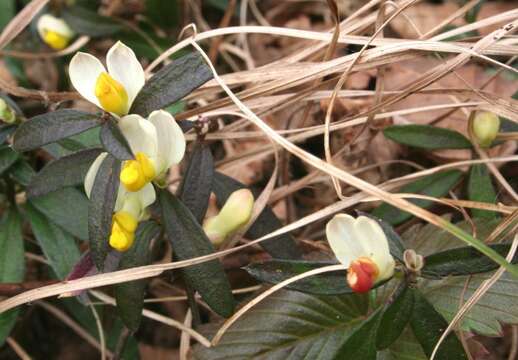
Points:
[118,186]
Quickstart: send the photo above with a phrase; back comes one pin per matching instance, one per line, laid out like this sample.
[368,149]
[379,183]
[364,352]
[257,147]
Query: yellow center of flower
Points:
[137,173]
[55,40]
[124,226]
[111,94]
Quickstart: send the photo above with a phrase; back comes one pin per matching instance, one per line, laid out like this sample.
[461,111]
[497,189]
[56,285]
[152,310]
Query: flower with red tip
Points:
[361,245]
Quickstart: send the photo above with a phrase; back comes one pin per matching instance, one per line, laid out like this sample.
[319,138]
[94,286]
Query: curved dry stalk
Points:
[17,348]
[100,330]
[228,323]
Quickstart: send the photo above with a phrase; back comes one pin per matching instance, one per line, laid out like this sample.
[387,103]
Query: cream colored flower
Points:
[54,31]
[362,246]
[114,90]
[130,208]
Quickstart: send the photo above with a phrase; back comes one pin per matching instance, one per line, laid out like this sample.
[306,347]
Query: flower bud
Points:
[413,261]
[485,128]
[7,114]
[54,31]
[236,213]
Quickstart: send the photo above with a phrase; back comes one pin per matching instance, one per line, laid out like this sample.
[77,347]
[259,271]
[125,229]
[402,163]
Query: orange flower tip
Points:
[362,274]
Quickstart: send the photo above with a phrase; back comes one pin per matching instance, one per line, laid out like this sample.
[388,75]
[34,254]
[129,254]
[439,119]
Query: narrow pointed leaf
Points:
[276,271]
[427,137]
[12,263]
[428,326]
[114,142]
[480,188]
[361,344]
[66,207]
[436,185]
[463,261]
[197,182]
[394,317]
[5,132]
[171,83]
[7,158]
[51,127]
[189,241]
[130,295]
[69,170]
[282,246]
[59,247]
[87,22]
[100,209]
[21,172]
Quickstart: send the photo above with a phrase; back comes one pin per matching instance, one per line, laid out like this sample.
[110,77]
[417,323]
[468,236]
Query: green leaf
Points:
[100,209]
[130,295]
[480,188]
[197,181]
[282,246]
[68,208]
[291,325]
[114,142]
[12,263]
[276,271]
[435,185]
[22,172]
[405,348]
[52,126]
[428,326]
[5,132]
[189,241]
[361,344]
[59,247]
[171,83]
[394,317]
[7,12]
[427,137]
[68,171]
[462,261]
[7,158]
[163,13]
[86,22]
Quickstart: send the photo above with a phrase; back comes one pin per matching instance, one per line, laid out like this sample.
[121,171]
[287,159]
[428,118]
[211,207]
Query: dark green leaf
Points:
[68,208]
[7,158]
[197,182]
[68,171]
[291,325]
[163,13]
[5,132]
[397,248]
[130,295]
[394,317]
[7,12]
[53,126]
[361,344]
[427,137]
[22,172]
[282,246]
[114,141]
[428,326]
[100,209]
[59,247]
[189,241]
[276,271]
[435,185]
[87,22]
[471,15]
[171,83]
[462,261]
[12,263]
[480,188]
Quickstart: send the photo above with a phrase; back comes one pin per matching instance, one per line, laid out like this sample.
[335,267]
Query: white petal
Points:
[342,238]
[136,202]
[147,195]
[124,67]
[122,194]
[92,172]
[171,140]
[84,70]
[141,135]
[48,22]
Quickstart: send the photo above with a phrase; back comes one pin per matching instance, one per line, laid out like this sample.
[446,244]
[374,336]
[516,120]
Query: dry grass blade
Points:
[20,21]
[17,348]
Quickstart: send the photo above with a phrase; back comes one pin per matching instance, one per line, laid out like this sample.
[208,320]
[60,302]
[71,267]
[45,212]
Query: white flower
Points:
[54,31]
[113,90]
[362,246]
[130,208]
